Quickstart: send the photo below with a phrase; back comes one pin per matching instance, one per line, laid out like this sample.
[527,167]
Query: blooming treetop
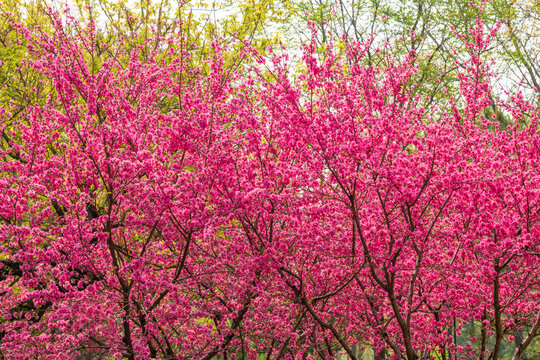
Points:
[166,210]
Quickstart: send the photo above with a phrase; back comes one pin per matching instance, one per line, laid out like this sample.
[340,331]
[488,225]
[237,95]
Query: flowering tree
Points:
[165,211]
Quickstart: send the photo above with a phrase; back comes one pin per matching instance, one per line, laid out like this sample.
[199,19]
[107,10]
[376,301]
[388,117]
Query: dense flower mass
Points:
[170,211]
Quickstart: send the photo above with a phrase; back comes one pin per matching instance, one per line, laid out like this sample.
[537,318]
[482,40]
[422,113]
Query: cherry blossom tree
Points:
[163,210]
